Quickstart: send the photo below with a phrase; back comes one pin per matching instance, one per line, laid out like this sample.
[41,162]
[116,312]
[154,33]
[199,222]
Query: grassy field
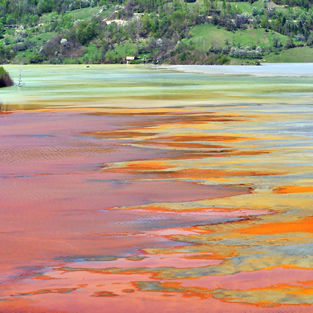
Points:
[247,7]
[205,36]
[123,50]
[300,54]
[85,13]
[242,6]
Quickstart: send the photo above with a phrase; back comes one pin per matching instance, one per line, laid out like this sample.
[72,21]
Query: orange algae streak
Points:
[182,145]
[203,173]
[304,225]
[146,166]
[217,138]
[153,167]
[293,189]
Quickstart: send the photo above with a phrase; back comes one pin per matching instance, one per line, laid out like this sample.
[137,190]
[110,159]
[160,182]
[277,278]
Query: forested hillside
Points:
[156,31]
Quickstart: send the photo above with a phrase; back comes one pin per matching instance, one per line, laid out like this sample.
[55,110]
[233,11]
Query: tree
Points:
[45,6]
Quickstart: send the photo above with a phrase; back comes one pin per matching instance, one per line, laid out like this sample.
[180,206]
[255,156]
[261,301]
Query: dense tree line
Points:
[154,30]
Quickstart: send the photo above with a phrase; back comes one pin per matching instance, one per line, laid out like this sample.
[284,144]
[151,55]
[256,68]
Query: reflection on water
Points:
[200,197]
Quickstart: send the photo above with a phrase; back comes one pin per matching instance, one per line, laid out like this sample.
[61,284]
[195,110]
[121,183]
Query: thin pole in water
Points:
[20,84]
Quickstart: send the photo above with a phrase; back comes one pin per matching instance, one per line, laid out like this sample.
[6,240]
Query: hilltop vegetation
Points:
[158,31]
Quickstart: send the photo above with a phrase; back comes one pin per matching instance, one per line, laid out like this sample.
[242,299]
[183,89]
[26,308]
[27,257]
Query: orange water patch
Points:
[304,225]
[208,173]
[146,165]
[216,153]
[293,189]
[188,145]
[44,277]
[198,137]
[249,152]
[188,173]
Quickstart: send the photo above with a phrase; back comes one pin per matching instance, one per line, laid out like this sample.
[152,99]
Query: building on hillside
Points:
[129,59]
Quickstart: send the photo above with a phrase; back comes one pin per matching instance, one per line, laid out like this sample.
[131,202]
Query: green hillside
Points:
[301,54]
[206,36]
[157,31]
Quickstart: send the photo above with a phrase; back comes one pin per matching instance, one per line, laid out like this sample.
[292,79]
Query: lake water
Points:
[157,189]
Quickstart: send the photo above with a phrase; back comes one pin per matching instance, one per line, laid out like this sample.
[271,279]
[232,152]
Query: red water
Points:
[119,212]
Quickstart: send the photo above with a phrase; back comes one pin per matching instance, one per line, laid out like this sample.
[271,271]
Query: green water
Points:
[150,86]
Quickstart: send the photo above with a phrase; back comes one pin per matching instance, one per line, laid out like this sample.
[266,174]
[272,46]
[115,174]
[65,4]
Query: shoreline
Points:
[264,69]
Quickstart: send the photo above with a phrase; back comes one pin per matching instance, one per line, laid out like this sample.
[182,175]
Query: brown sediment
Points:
[3,112]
